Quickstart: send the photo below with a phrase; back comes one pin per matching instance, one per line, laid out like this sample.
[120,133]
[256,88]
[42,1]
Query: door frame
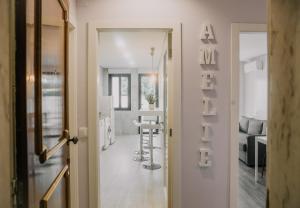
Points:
[72,97]
[236,29]
[174,78]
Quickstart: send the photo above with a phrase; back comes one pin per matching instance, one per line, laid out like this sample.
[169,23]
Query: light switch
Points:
[83,132]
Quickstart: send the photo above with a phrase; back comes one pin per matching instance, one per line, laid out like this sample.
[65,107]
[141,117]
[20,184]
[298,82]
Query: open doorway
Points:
[249,107]
[253,110]
[132,91]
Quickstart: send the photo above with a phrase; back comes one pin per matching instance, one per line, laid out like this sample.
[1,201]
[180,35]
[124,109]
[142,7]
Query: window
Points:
[120,89]
[148,84]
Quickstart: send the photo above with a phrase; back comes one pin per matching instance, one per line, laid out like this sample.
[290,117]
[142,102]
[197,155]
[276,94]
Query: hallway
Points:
[124,182]
[50,108]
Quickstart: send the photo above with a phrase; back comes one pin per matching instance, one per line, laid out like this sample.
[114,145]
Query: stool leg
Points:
[151,146]
[141,152]
[151,166]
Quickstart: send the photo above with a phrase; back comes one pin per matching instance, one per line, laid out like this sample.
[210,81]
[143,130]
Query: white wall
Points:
[253,90]
[206,188]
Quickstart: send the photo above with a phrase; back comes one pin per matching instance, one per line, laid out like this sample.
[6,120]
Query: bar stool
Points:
[151,165]
[149,119]
[140,153]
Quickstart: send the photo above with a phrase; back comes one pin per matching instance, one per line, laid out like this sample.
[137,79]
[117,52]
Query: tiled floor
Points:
[124,182]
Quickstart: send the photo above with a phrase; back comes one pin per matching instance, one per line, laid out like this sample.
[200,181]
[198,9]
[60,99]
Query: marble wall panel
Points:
[284,104]
[5,104]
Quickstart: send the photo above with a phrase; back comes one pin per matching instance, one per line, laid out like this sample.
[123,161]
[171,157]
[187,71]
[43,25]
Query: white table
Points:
[155,112]
[263,140]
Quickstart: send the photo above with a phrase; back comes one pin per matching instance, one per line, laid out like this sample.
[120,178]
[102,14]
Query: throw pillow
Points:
[264,128]
[255,127]
[244,124]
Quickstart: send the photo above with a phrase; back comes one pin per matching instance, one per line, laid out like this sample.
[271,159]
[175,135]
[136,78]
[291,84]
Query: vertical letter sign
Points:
[208,77]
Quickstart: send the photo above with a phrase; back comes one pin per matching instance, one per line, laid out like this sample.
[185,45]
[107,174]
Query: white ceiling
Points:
[130,49]
[252,45]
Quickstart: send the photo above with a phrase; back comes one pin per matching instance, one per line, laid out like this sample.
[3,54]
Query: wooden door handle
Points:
[53,186]
[47,154]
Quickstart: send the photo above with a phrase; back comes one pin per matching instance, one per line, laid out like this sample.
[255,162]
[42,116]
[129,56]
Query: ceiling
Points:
[130,49]
[252,45]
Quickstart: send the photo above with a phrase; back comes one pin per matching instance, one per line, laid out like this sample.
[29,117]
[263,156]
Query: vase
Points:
[151,106]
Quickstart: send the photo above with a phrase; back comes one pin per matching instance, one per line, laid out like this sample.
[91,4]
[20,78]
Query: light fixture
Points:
[152,55]
[153,75]
[30,78]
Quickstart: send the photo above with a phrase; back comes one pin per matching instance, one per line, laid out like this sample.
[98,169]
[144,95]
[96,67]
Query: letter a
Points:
[207,32]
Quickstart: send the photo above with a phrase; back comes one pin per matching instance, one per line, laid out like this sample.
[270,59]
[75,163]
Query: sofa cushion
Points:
[264,128]
[243,138]
[244,124]
[243,141]
[255,127]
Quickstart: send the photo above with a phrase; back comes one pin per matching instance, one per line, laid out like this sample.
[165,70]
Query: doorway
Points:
[123,86]
[131,79]
[249,103]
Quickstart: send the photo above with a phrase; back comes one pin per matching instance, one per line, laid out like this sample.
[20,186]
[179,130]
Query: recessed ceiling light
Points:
[120,42]
[127,55]
[132,63]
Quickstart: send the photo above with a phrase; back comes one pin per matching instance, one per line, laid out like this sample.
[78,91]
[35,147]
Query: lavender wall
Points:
[207,188]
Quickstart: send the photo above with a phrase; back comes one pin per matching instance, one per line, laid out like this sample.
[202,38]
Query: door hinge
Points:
[14,186]
[170,132]
[14,191]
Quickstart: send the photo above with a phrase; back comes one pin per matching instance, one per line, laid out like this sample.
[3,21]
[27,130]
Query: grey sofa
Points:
[248,129]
